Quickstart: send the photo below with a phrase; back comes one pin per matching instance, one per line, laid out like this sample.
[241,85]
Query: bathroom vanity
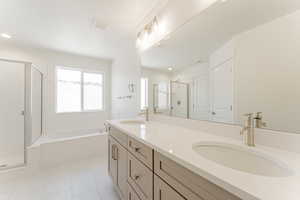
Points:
[178,160]
[141,173]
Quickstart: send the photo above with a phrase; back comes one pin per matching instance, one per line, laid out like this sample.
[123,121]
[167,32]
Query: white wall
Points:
[191,72]
[125,70]
[154,77]
[267,72]
[36,105]
[46,60]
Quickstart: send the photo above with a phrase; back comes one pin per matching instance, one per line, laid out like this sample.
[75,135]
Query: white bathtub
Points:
[49,151]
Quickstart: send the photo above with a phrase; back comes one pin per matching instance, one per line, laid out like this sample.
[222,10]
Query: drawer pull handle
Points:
[137,149]
[136,177]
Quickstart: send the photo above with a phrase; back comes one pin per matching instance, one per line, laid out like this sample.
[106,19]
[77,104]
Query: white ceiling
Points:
[197,39]
[69,25]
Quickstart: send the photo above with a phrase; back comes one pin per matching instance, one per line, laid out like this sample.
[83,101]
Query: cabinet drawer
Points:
[163,191]
[141,151]
[187,183]
[140,178]
[131,194]
[118,135]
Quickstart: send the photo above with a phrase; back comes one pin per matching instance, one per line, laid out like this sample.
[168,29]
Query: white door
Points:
[199,104]
[12,92]
[222,92]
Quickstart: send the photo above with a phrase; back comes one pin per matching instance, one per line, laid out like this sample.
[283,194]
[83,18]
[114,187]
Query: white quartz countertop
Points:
[176,143]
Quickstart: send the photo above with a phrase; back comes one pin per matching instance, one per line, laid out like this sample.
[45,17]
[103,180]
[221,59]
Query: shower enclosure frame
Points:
[27,112]
[187,93]
[154,97]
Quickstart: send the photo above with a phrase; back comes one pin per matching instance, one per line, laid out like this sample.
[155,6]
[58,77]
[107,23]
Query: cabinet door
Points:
[132,194]
[162,191]
[122,170]
[112,160]
[140,178]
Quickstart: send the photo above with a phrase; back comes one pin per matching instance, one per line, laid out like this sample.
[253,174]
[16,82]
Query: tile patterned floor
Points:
[84,180]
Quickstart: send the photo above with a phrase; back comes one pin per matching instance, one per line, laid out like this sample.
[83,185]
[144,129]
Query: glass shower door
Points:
[179,99]
[12,114]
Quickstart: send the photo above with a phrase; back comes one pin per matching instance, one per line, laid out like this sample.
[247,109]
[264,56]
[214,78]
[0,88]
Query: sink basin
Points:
[132,122]
[242,158]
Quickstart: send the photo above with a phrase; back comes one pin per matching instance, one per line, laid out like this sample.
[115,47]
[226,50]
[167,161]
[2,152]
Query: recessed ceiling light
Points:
[170,68]
[4,35]
[223,1]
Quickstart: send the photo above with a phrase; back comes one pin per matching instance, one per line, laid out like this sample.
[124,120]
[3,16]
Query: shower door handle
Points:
[23,112]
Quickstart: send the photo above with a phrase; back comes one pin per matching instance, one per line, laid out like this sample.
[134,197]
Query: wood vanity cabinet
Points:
[162,191]
[117,166]
[140,178]
[112,160]
[131,194]
[186,182]
[142,152]
[140,173]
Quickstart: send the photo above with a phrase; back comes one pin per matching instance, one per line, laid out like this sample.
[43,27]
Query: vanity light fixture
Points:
[5,35]
[147,37]
[131,87]
[170,68]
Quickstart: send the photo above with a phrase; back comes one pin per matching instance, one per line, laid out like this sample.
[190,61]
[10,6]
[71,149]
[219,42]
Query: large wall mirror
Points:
[234,58]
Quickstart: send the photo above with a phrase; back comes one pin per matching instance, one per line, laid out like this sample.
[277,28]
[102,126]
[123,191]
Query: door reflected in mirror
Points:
[219,74]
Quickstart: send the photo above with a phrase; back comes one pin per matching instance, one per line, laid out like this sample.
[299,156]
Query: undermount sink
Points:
[132,122]
[242,159]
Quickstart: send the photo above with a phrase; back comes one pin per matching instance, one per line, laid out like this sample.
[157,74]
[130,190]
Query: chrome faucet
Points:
[259,121]
[248,130]
[146,113]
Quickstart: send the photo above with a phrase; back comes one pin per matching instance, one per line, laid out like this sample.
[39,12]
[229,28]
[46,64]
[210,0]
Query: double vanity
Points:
[162,161]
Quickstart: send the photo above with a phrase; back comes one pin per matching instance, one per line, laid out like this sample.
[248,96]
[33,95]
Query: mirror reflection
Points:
[205,72]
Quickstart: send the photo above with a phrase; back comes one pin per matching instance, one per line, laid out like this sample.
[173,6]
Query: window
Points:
[78,90]
[144,93]
[92,91]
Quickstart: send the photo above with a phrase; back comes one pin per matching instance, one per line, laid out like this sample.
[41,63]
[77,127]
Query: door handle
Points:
[117,153]
[23,112]
[213,113]
[114,153]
